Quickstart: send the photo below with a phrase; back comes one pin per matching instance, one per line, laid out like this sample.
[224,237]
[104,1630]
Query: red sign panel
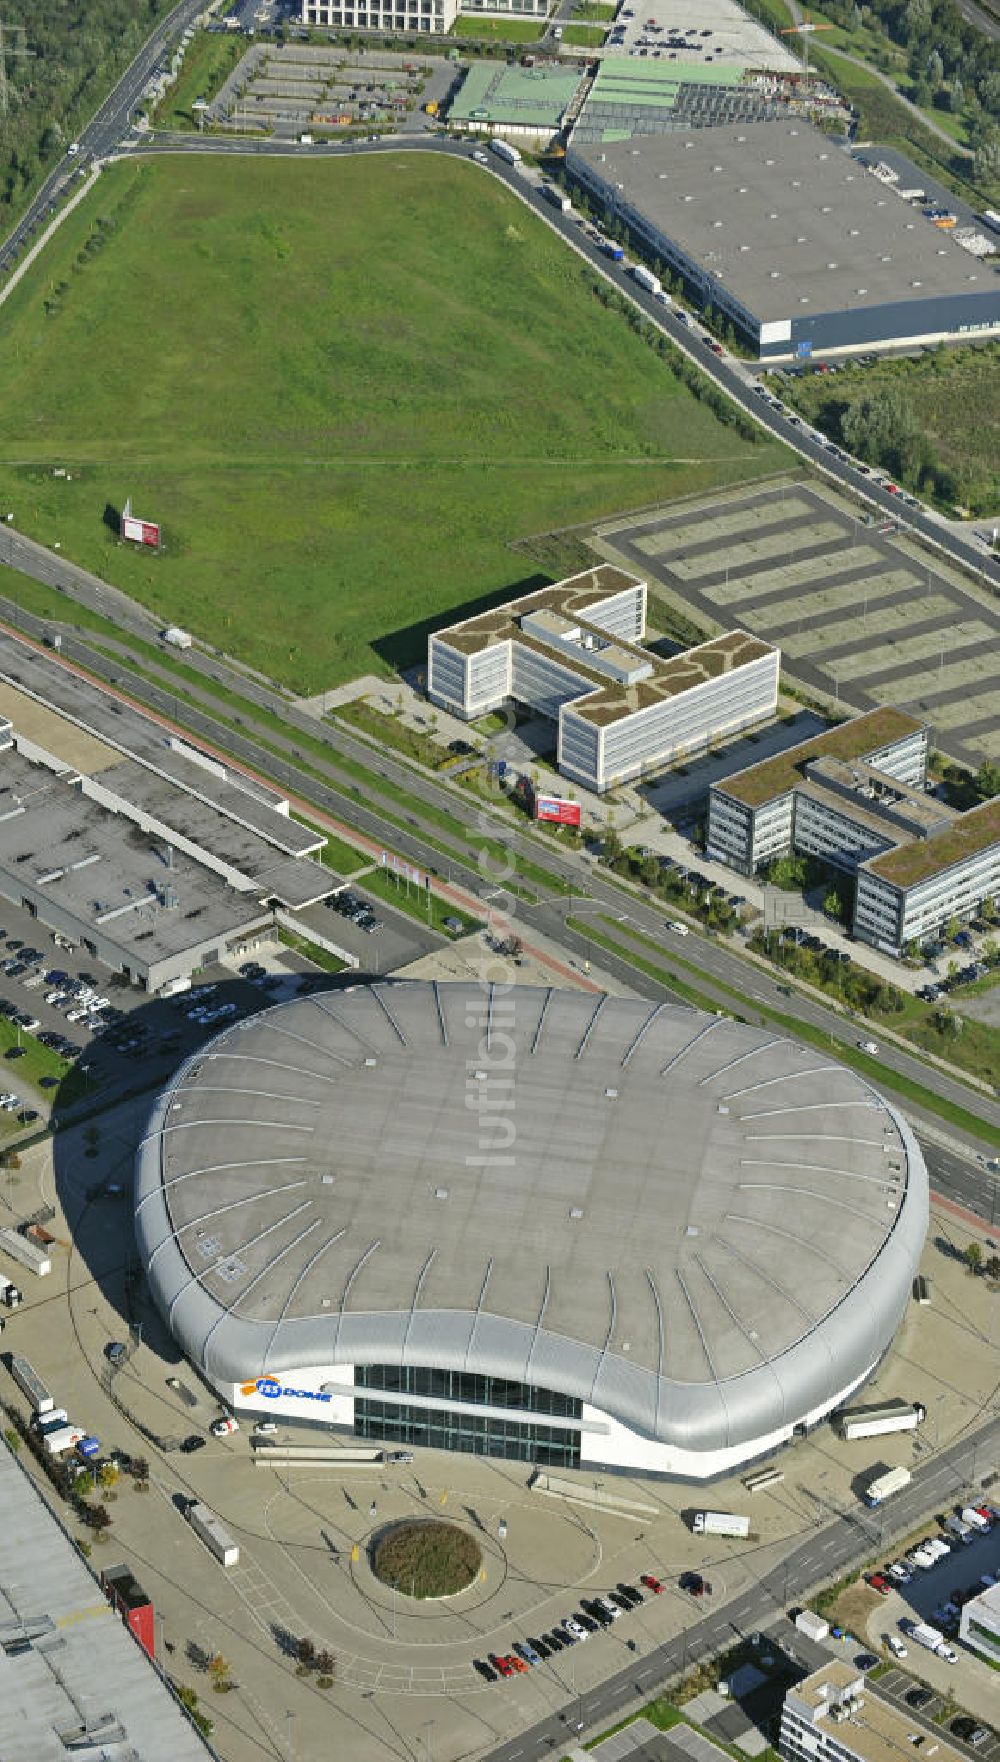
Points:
[140,532]
[557,810]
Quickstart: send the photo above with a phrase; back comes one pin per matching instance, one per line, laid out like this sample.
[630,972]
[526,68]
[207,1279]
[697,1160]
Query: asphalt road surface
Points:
[849,1537]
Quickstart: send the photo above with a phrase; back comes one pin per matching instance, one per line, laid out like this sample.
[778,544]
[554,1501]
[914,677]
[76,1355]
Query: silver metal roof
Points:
[73,1682]
[701,1228]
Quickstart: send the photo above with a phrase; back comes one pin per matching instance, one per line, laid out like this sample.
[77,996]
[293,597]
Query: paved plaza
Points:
[862,615]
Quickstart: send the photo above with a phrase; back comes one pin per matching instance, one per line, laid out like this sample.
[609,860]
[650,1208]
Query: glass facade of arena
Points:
[472,1434]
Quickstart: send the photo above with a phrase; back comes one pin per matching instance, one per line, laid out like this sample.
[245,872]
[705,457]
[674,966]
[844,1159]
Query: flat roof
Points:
[969,834]
[699,1225]
[876,1731]
[526,97]
[604,701]
[69,1651]
[105,873]
[786,221]
[237,818]
[855,739]
[713,32]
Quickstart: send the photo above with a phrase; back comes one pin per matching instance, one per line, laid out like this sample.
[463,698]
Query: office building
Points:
[856,798]
[834,1715]
[979,1626]
[571,652]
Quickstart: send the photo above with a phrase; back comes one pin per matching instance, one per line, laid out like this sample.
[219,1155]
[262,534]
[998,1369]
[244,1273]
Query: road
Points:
[851,1537]
[103,133]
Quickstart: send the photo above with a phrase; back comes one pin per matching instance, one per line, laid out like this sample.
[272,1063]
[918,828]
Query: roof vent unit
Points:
[576,1213]
[370,1063]
[861,293]
[440,1192]
[612,1094]
[327,1180]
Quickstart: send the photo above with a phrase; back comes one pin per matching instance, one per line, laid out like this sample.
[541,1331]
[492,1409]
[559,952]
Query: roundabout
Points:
[426,1558]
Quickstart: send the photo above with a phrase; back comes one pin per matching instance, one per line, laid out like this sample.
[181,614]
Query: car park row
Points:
[593,1614]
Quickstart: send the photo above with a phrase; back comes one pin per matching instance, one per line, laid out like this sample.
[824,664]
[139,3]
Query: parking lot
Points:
[861,614]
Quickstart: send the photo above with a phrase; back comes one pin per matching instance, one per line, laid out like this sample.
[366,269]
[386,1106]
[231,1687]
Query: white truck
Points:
[61,1439]
[646,279]
[177,638]
[876,1422]
[884,1485]
[211,1531]
[506,152]
[25,1252]
[812,1625]
[932,1640]
[975,1520]
[720,1523]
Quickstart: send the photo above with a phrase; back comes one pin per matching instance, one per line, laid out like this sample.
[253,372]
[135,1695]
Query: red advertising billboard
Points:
[139,532]
[557,810]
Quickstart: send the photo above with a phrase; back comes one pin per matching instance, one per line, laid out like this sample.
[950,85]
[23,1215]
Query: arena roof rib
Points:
[538,1185]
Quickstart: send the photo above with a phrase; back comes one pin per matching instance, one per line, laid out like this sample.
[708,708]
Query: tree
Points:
[986,164]
[956,97]
[992,1267]
[988,781]
[831,904]
[974,1257]
[305,1652]
[935,69]
[326,1663]
[219,1672]
[99,1518]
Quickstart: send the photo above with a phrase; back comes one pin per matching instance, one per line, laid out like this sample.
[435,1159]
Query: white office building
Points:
[980,1625]
[834,1715]
[571,652]
[434,17]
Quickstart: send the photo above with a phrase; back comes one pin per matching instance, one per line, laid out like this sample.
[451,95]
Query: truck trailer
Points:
[720,1523]
[31,1385]
[25,1253]
[884,1485]
[875,1422]
[208,1528]
[932,1640]
[646,279]
[812,1625]
[557,197]
[506,152]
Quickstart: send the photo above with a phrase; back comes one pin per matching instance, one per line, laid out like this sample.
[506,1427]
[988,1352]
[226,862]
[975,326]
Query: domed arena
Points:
[580,1231]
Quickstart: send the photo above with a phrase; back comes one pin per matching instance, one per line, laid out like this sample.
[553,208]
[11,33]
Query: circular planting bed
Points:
[426,1559]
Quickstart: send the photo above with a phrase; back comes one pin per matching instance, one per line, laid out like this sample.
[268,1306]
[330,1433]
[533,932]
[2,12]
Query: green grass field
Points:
[585,36]
[344,389]
[508,30]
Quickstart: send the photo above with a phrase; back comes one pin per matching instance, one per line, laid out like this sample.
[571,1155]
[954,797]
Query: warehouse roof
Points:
[72,1679]
[523,97]
[697,1225]
[785,220]
[856,739]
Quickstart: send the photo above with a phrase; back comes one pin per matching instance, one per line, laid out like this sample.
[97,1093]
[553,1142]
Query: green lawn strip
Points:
[595,9]
[311,951]
[38,1061]
[382,884]
[209,58]
[587,36]
[509,30]
[337,854]
[272,464]
[776,14]
[883,1076]
[390,730]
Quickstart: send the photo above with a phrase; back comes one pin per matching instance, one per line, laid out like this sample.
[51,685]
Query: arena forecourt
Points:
[575,1230]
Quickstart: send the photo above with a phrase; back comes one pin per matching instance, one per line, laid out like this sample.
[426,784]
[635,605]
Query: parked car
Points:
[651,1583]
[221,1428]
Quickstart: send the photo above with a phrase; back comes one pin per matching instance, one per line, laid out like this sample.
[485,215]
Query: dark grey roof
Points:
[703,1229]
[788,222]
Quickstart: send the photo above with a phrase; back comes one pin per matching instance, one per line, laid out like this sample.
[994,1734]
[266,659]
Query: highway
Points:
[847,1539]
[103,133]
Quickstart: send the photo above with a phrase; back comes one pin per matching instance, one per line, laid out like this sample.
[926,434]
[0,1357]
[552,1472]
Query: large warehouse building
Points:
[534,1224]
[787,236]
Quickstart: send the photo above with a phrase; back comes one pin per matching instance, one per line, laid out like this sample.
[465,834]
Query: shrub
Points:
[426,1559]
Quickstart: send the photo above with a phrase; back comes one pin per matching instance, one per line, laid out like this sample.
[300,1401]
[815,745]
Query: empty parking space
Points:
[799,565]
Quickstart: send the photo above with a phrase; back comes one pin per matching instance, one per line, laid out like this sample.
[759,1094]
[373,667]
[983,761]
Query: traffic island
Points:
[426,1559]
